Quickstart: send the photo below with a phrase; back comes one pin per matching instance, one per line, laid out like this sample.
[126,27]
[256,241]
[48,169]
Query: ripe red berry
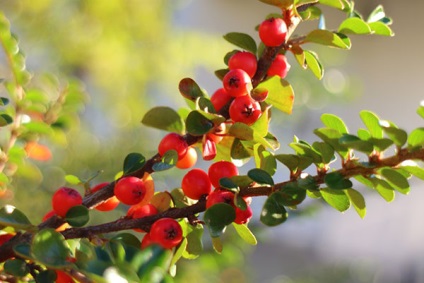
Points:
[107,205]
[146,241]
[220,170]
[188,160]
[219,98]
[65,198]
[245,110]
[166,232]
[219,196]
[244,60]
[243,216]
[62,277]
[130,190]
[173,141]
[140,211]
[237,83]
[279,67]
[273,32]
[196,184]
[5,237]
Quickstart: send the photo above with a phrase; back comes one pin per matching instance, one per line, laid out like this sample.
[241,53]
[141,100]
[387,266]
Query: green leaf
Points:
[169,159]
[16,267]
[357,201]
[299,55]
[294,162]
[4,101]
[372,122]
[377,14]
[336,198]
[241,131]
[241,40]
[238,151]
[164,118]
[38,127]
[384,189]
[303,149]
[197,124]
[307,182]
[220,74]
[380,28]
[72,179]
[334,122]
[194,243]
[398,136]
[273,212]
[338,4]
[292,194]
[5,120]
[354,26]
[217,217]
[332,137]
[325,150]
[157,265]
[420,110]
[416,138]
[46,276]
[313,63]
[397,180]
[413,168]
[77,216]
[283,4]
[229,184]
[132,162]
[260,176]
[217,244]
[190,89]
[354,142]
[336,181]
[49,248]
[280,93]
[10,216]
[244,232]
[328,38]
[265,160]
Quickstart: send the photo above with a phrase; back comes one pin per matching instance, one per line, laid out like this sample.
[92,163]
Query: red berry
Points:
[140,211]
[220,170]
[244,60]
[279,67]
[166,232]
[107,205]
[5,237]
[237,83]
[243,216]
[220,98]
[245,110]
[219,196]
[130,190]
[273,32]
[196,184]
[188,160]
[146,241]
[173,141]
[62,277]
[65,198]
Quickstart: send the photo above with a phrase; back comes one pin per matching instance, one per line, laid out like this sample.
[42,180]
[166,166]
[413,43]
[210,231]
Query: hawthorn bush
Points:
[228,129]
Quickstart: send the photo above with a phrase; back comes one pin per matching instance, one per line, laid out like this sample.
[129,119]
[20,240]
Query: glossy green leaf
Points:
[49,248]
[241,131]
[325,150]
[413,168]
[294,162]
[190,89]
[381,144]
[197,124]
[306,150]
[164,118]
[10,216]
[398,136]
[16,267]
[380,28]
[328,38]
[332,137]
[169,159]
[217,217]
[310,13]
[307,182]
[338,4]
[372,122]
[194,243]
[265,160]
[241,40]
[132,162]
[260,176]
[377,14]
[384,189]
[238,151]
[77,216]
[416,138]
[244,232]
[4,101]
[292,194]
[336,198]
[313,63]
[5,120]
[334,122]
[420,110]
[273,211]
[229,184]
[354,142]
[220,74]
[280,93]
[354,26]
[397,180]
[358,202]
[336,181]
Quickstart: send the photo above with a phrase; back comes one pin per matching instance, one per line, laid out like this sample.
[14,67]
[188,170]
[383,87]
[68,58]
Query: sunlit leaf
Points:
[273,212]
[372,122]
[355,26]
[334,122]
[328,38]
[49,247]
[397,180]
[280,93]
[164,118]
[380,28]
[416,138]
[336,198]
[358,202]
[242,40]
[244,232]
[384,189]
[133,161]
[10,216]
[313,63]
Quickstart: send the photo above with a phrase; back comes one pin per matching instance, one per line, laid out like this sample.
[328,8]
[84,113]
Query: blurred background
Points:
[130,56]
